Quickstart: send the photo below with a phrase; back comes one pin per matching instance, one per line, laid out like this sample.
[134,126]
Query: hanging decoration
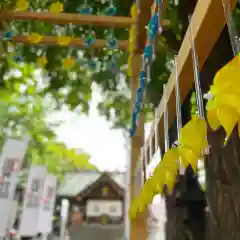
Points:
[138,103]
[7,36]
[68,62]
[192,146]
[34,38]
[153,27]
[223,108]
[113,65]
[189,148]
[22,5]
[92,65]
[112,42]
[64,40]
[90,39]
[42,61]
[56,8]
[85,8]
[111,10]
[145,75]
[18,58]
[159,7]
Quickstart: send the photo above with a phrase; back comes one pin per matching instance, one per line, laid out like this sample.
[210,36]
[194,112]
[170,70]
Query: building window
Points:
[104,191]
[113,209]
[96,208]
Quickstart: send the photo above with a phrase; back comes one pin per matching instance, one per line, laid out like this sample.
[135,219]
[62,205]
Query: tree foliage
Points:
[23,110]
[114,84]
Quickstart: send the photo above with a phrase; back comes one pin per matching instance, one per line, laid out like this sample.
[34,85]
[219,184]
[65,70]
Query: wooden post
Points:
[67,18]
[138,229]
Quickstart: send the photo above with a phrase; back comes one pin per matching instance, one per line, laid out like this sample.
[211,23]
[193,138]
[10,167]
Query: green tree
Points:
[23,110]
[79,80]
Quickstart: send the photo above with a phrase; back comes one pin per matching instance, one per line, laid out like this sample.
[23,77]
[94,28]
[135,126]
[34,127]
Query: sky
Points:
[94,135]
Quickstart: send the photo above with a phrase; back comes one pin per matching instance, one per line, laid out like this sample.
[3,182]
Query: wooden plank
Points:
[138,227]
[76,42]
[208,22]
[66,18]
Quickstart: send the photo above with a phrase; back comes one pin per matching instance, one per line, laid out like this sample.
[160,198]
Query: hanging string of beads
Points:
[145,74]
[111,10]
[85,8]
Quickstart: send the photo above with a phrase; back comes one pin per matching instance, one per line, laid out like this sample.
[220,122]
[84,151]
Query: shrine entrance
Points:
[96,204]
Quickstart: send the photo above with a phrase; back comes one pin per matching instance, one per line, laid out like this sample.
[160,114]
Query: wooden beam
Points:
[138,227]
[208,21]
[67,18]
[76,42]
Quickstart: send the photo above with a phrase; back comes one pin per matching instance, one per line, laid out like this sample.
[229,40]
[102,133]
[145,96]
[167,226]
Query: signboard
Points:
[111,208]
[64,217]
[31,204]
[13,214]
[47,205]
[10,163]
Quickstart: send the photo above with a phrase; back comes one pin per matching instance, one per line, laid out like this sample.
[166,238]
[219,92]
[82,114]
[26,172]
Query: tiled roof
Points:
[74,183]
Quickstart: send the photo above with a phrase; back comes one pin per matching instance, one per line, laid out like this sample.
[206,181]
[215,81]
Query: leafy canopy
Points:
[23,110]
[114,83]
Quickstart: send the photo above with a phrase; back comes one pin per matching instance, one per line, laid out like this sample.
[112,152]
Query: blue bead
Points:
[142,74]
[89,41]
[142,79]
[159,2]
[112,42]
[134,115]
[85,10]
[142,82]
[132,132]
[110,11]
[148,52]
[153,27]
[113,66]
[18,58]
[92,64]
[139,94]
[138,107]
[8,35]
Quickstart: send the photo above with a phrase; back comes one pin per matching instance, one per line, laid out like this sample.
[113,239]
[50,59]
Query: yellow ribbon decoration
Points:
[68,63]
[164,175]
[64,40]
[34,38]
[22,5]
[192,143]
[56,8]
[42,61]
[223,106]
